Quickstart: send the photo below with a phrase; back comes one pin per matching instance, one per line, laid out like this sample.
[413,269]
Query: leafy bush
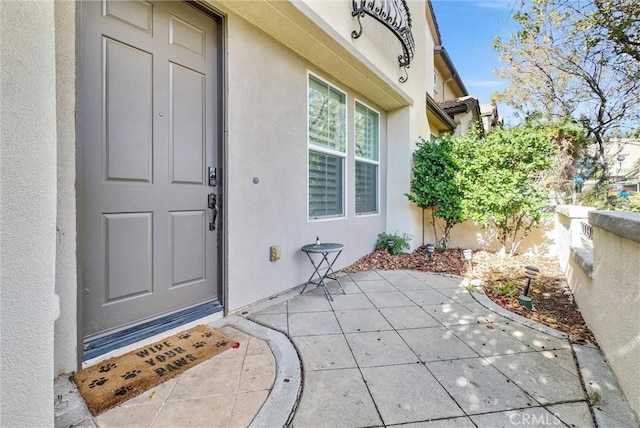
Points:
[435,183]
[400,242]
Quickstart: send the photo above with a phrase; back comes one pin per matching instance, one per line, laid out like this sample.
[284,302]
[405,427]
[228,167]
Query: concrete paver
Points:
[421,350]
[400,393]
[335,398]
[401,347]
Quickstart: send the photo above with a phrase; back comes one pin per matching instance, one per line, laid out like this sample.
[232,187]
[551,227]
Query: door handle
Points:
[212,202]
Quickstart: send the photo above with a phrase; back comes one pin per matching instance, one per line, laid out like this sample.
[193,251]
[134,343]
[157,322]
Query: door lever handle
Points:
[212,202]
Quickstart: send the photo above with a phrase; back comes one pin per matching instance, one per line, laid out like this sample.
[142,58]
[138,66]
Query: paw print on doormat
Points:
[131,374]
[108,367]
[221,343]
[122,391]
[207,334]
[185,336]
[199,344]
[98,382]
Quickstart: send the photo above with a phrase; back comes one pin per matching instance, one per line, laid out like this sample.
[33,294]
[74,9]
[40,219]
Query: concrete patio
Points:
[399,348]
[407,347]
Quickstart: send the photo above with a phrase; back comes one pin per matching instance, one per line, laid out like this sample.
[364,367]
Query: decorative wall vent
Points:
[393,14]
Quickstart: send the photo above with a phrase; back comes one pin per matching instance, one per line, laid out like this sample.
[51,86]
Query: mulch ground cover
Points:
[503,280]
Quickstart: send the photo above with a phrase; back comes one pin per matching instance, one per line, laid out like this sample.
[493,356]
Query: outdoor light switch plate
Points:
[274,253]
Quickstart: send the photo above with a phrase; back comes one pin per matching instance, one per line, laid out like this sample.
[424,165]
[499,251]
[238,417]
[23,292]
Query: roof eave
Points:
[447,124]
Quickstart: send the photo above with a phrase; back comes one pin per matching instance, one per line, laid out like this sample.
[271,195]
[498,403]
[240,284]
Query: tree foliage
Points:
[502,180]
[563,62]
[620,21]
[435,183]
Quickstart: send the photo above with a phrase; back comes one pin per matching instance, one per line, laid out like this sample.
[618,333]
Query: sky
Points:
[467,30]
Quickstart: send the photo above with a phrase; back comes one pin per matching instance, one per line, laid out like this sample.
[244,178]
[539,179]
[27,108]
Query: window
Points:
[435,82]
[367,142]
[327,149]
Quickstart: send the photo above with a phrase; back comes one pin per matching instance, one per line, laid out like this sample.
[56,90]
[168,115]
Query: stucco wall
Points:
[267,139]
[610,307]
[468,234]
[406,125]
[27,212]
[66,326]
[568,230]
[376,42]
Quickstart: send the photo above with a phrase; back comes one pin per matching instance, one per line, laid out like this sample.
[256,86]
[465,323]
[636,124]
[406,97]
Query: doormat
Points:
[118,379]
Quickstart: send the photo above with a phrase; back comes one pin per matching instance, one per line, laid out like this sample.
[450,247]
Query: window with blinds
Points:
[327,149]
[367,145]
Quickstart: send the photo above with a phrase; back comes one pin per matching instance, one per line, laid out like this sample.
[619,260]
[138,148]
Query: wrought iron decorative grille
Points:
[393,14]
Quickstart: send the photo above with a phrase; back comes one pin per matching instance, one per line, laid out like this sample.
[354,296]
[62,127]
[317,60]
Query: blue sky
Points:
[467,28]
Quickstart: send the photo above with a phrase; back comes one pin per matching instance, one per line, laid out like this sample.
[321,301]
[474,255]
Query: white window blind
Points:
[367,144]
[327,149]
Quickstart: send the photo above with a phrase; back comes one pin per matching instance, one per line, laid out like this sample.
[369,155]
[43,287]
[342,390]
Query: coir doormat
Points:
[118,379]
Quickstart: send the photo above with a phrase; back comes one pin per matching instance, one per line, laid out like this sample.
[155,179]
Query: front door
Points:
[148,128]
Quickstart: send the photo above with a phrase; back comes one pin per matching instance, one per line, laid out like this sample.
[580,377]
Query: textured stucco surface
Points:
[66,326]
[27,212]
[568,230]
[268,140]
[611,310]
[606,286]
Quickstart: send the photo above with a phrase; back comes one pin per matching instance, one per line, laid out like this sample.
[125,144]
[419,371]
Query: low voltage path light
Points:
[431,249]
[390,243]
[467,254]
[530,272]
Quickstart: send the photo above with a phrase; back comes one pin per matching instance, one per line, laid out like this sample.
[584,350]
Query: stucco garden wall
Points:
[604,276]
[468,234]
[27,212]
[610,308]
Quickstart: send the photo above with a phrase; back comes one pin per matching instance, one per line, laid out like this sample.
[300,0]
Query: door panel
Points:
[128,83]
[129,255]
[188,247]
[188,125]
[148,130]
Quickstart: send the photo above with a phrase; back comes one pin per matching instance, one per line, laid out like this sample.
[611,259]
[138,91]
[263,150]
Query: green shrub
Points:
[509,289]
[400,242]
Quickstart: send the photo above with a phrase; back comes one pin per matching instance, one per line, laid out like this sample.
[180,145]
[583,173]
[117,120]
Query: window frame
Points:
[328,151]
[367,160]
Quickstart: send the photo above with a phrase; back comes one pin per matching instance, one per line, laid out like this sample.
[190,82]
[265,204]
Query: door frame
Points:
[221,156]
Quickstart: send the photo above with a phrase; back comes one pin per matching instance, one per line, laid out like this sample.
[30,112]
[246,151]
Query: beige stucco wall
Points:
[405,125]
[27,212]
[568,230]
[610,306]
[468,234]
[267,139]
[66,326]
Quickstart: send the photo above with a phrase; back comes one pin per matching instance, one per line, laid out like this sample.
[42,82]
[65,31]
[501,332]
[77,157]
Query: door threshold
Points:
[102,345]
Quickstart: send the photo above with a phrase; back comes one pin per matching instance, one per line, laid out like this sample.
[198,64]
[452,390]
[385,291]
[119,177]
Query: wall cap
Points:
[584,258]
[574,211]
[625,224]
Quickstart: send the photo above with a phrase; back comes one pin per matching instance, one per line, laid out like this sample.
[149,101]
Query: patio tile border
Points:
[283,397]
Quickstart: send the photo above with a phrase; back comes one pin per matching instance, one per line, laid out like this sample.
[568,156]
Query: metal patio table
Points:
[330,253]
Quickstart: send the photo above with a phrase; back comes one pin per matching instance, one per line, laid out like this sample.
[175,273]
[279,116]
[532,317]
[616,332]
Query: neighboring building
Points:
[152,153]
[624,157]
[465,111]
[490,117]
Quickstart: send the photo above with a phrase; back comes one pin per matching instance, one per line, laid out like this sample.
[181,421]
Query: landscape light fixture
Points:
[620,159]
[431,249]
[390,243]
[530,272]
[467,254]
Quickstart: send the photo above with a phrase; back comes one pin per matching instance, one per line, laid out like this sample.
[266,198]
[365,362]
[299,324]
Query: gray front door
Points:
[148,130]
